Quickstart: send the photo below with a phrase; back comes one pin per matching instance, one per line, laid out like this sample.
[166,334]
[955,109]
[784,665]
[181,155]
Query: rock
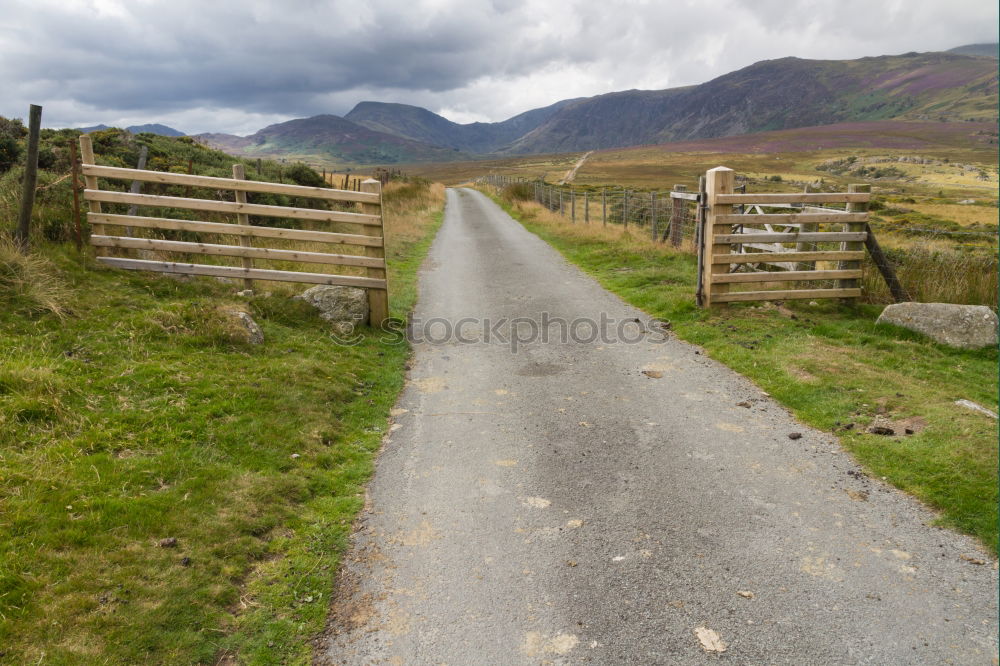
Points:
[795,435]
[169,542]
[976,407]
[254,335]
[881,430]
[962,326]
[246,293]
[338,304]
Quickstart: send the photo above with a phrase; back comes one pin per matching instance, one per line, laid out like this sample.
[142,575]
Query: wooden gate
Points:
[369,219]
[814,245]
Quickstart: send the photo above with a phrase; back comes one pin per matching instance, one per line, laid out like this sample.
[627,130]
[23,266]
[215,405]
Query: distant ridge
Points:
[981,50]
[152,128]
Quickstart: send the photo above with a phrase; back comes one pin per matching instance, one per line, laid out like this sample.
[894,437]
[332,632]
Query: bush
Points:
[518,192]
[303,174]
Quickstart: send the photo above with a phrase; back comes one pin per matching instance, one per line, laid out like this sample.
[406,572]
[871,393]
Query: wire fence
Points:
[665,218]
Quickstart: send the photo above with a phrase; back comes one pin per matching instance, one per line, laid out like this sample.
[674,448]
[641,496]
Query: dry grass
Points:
[963,214]
[29,283]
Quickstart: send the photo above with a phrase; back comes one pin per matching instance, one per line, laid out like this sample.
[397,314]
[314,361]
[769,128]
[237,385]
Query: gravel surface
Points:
[610,502]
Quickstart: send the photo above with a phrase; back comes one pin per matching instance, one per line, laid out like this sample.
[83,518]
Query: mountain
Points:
[981,50]
[154,128]
[330,137]
[776,94]
[419,124]
[786,93]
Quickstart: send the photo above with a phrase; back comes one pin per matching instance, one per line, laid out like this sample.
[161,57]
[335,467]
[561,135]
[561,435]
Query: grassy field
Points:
[170,493]
[828,363]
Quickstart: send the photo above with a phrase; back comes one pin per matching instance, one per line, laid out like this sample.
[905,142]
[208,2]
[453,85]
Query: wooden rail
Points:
[369,219]
[724,268]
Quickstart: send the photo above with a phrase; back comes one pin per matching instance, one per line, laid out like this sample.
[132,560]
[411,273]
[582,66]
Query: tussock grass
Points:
[29,283]
[933,275]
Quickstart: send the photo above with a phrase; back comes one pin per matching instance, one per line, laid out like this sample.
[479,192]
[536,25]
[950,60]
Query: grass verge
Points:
[828,363]
[170,493]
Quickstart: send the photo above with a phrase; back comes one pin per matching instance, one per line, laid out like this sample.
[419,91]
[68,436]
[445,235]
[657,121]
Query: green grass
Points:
[141,414]
[831,366]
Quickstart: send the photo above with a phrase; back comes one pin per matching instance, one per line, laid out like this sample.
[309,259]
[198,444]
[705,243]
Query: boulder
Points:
[338,304]
[962,326]
[249,330]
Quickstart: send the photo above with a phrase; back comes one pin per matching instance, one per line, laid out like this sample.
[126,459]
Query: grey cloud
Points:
[233,62]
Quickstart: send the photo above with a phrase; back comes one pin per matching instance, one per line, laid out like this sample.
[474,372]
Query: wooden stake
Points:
[75,170]
[87,157]
[239,173]
[378,299]
[30,178]
[604,207]
[899,294]
[677,207]
[586,207]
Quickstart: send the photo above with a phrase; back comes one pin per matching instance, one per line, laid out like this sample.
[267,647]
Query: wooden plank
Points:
[233,229]
[786,276]
[782,218]
[378,299]
[232,207]
[795,197]
[688,196]
[814,237]
[237,272]
[787,295]
[770,257]
[235,251]
[227,184]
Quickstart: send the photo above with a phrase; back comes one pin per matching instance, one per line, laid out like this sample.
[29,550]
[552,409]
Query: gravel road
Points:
[609,501]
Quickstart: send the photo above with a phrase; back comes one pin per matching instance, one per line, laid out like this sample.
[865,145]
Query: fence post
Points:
[719,180]
[677,207]
[572,206]
[853,245]
[239,173]
[604,207]
[137,185]
[561,211]
[378,299]
[807,247]
[75,166]
[652,215]
[90,182]
[624,208]
[586,207]
[30,178]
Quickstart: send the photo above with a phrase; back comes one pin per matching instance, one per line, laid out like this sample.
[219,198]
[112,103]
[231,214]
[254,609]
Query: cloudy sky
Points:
[238,65]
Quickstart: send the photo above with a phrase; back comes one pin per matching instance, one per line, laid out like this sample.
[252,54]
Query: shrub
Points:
[518,192]
[303,174]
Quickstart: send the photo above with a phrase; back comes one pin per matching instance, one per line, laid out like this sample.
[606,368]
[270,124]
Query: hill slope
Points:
[150,128]
[776,94]
[419,124]
[332,138]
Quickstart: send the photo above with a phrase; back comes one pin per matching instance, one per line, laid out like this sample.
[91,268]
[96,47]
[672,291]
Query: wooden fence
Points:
[369,219]
[734,246]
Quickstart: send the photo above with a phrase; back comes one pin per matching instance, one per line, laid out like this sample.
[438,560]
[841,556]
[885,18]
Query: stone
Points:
[976,407]
[338,304]
[254,334]
[962,326]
